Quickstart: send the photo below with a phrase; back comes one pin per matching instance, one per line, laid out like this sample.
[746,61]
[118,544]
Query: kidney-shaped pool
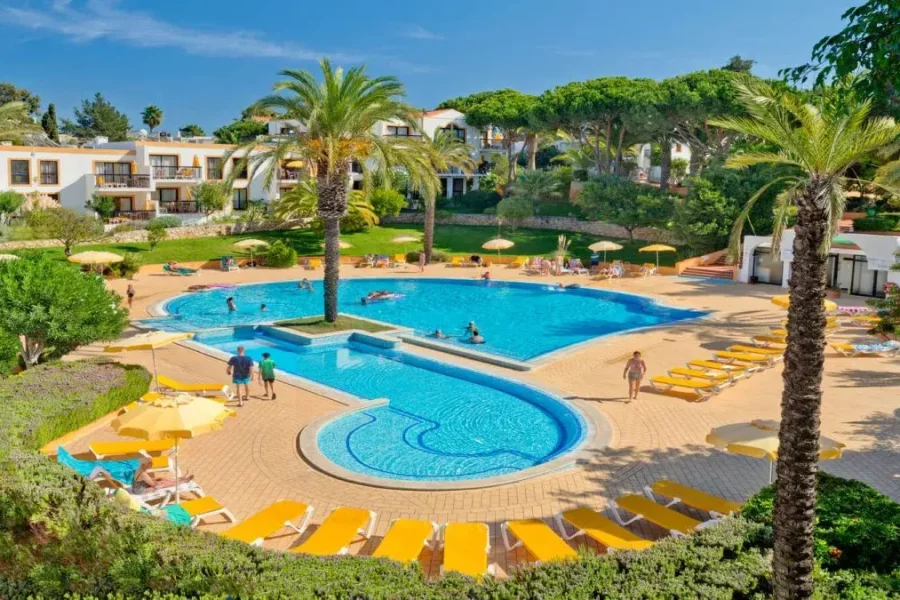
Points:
[521,321]
[442,424]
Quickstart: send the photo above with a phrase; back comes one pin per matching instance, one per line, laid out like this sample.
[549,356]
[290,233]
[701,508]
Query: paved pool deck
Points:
[254,460]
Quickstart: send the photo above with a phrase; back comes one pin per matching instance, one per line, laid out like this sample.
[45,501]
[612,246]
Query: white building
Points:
[858,263]
[651,172]
[144,178]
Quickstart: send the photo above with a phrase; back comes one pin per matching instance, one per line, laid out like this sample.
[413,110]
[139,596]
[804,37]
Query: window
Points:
[167,195]
[357,184]
[355,167]
[19,172]
[239,173]
[214,167]
[239,201]
[677,147]
[397,131]
[164,167]
[112,168]
[49,172]
[459,186]
[457,132]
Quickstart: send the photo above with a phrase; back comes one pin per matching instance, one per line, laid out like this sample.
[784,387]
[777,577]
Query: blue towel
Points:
[122,471]
[177,515]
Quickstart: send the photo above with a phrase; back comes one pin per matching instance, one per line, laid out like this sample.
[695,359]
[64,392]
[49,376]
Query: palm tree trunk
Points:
[665,164]
[428,242]
[531,149]
[801,402]
[332,205]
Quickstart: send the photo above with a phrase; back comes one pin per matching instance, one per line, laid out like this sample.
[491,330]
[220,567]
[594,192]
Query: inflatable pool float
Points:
[367,300]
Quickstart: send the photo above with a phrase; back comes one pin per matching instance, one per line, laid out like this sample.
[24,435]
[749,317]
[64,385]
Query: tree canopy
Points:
[465,103]
[10,93]
[65,225]
[49,123]
[239,132]
[152,117]
[630,205]
[191,130]
[97,117]
[55,308]
[869,46]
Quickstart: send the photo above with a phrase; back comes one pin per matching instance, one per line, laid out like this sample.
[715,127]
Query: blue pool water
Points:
[518,320]
[442,423]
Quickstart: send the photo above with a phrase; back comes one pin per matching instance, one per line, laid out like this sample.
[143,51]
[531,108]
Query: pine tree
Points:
[48,123]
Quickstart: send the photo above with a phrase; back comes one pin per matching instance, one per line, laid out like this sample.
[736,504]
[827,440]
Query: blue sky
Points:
[202,61]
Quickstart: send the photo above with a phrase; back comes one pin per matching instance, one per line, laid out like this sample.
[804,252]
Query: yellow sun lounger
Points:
[731,357]
[680,493]
[600,529]
[466,548]
[399,259]
[780,332]
[193,388]
[340,529]
[456,261]
[198,509]
[520,261]
[768,340]
[703,389]
[737,371]
[405,540]
[773,353]
[269,521]
[864,351]
[642,508]
[537,537]
[720,377]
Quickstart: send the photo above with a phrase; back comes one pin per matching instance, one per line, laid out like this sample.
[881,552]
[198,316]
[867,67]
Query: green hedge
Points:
[60,535]
[882,222]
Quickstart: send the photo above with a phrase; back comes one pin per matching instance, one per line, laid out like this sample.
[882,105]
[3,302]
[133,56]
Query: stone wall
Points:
[175,233]
[570,224]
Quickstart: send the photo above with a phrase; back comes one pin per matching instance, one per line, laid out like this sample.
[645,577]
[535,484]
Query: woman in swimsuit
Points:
[634,372]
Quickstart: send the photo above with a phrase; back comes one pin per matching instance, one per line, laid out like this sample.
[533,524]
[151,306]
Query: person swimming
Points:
[378,295]
[230,304]
[486,275]
[263,307]
[437,333]
[476,338]
[306,284]
[471,327]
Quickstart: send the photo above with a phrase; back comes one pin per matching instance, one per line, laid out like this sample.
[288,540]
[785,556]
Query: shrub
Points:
[436,257]
[130,264]
[156,232]
[353,222]
[883,222]
[9,353]
[123,228]
[387,201]
[104,206]
[514,210]
[280,255]
[442,215]
[477,200]
[856,527]
[166,221]
[65,225]
[10,202]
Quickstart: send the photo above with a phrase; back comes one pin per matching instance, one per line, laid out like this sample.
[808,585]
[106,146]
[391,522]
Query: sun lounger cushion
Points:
[657,514]
[189,387]
[266,522]
[755,350]
[744,357]
[694,497]
[603,530]
[694,384]
[695,374]
[717,366]
[466,548]
[540,541]
[337,532]
[405,540]
[123,471]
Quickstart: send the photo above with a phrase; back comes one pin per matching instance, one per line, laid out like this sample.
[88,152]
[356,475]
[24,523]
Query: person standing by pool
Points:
[240,367]
[267,374]
[635,369]
[230,304]
[422,261]
[129,293]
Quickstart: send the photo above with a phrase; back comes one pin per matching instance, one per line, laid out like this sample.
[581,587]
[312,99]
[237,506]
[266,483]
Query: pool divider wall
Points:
[435,344]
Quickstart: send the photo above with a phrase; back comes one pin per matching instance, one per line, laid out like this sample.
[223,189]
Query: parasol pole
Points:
[155,372]
[177,496]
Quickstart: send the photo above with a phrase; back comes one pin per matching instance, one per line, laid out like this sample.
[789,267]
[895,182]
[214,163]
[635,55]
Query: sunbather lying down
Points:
[145,482]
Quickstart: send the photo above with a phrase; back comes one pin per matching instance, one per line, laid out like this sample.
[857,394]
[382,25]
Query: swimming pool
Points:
[442,422]
[521,321]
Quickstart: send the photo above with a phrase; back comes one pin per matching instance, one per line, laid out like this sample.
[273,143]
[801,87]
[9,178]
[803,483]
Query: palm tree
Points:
[338,116]
[820,143]
[152,117]
[300,203]
[443,152]
[537,186]
[15,121]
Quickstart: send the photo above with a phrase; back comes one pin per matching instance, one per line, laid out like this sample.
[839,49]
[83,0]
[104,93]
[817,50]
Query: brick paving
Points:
[254,461]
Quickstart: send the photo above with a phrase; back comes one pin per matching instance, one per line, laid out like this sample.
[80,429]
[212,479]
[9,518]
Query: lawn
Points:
[452,239]
[317,325]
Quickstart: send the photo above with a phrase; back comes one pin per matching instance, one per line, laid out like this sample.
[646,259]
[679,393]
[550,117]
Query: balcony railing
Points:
[289,175]
[112,182]
[134,215]
[178,207]
[402,135]
[492,145]
[177,173]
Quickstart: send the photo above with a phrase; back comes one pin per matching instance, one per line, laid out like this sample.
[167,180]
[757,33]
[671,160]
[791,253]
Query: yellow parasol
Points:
[785,301]
[498,244]
[175,418]
[294,164]
[8,257]
[250,244]
[95,258]
[133,168]
[604,246]
[196,161]
[759,439]
[657,248]
[149,341]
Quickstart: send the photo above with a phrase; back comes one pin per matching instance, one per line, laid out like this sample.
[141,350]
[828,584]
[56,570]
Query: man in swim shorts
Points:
[240,367]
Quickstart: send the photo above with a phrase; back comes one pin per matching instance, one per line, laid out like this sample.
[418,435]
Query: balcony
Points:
[122,182]
[178,207]
[289,175]
[177,173]
[121,216]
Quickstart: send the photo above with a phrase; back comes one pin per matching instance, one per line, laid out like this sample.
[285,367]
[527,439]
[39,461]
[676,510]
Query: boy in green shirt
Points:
[267,374]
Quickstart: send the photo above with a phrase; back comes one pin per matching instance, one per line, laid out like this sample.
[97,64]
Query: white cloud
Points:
[562,51]
[417,32]
[104,20]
